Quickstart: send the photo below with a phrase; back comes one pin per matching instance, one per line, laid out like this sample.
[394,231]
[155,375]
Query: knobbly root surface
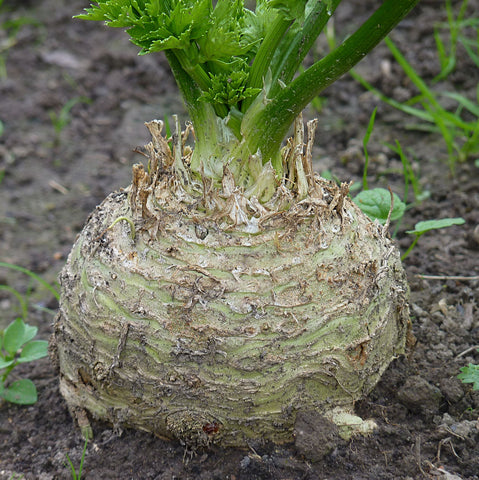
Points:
[206,329]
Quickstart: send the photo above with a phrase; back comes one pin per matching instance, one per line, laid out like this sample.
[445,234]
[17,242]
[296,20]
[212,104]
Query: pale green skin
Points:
[224,337]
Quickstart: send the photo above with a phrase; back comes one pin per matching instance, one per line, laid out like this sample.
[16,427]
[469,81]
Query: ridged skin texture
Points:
[206,333]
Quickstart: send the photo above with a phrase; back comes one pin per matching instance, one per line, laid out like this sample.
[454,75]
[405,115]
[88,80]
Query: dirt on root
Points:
[51,179]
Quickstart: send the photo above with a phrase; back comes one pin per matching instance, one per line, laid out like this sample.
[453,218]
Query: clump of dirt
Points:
[51,181]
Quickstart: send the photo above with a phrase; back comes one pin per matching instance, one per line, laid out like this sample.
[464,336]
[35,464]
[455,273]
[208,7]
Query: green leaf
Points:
[29,333]
[32,275]
[33,351]
[255,24]
[180,42]
[226,37]
[205,38]
[22,392]
[229,89]
[376,204]
[291,9]
[5,363]
[463,101]
[425,226]
[191,15]
[113,12]
[470,374]
[17,334]
[155,25]
[13,336]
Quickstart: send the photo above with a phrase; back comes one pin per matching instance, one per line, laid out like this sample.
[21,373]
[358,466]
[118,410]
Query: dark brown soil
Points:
[428,420]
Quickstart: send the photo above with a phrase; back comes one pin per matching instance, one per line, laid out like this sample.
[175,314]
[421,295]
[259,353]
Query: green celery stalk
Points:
[236,67]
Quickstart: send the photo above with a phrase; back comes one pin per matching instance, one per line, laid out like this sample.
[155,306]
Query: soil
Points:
[51,180]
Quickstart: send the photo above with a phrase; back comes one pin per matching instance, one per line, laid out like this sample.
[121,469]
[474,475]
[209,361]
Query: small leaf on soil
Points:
[17,334]
[33,351]
[425,226]
[22,392]
[13,336]
[470,374]
[376,204]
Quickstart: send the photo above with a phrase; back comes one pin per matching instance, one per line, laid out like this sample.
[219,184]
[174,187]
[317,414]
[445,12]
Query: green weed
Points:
[379,203]
[454,29]
[459,127]
[16,347]
[384,206]
[470,374]
[77,475]
[366,138]
[376,204]
[17,344]
[62,119]
[461,136]
[425,226]
[33,276]
[9,30]
[411,179]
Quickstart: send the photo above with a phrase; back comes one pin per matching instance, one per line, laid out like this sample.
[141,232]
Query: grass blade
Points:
[33,275]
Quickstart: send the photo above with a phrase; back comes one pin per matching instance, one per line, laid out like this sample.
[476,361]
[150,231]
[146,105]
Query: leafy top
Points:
[236,66]
[214,45]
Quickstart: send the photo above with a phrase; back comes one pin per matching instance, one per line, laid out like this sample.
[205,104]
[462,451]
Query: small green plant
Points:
[236,68]
[470,374]
[8,36]
[454,29]
[460,133]
[63,118]
[17,346]
[376,203]
[14,475]
[411,178]
[366,138]
[77,475]
[461,136]
[426,226]
[33,276]
[384,206]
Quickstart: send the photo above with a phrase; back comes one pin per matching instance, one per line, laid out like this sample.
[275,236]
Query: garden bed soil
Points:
[51,180]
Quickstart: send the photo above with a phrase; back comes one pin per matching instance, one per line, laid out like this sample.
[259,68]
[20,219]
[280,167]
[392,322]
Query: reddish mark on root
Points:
[211,428]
